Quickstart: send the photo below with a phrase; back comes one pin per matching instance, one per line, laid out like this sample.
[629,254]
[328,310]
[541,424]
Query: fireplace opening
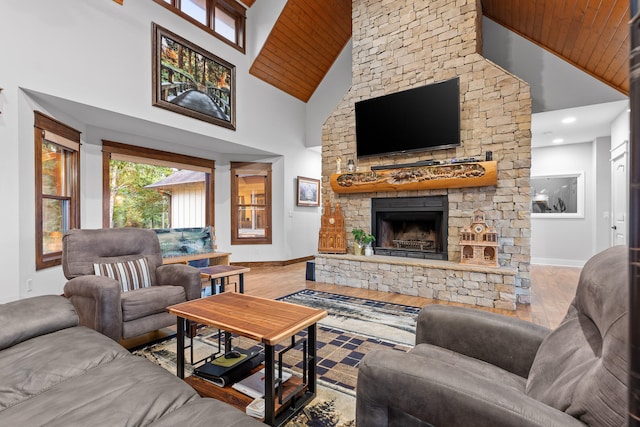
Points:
[414,227]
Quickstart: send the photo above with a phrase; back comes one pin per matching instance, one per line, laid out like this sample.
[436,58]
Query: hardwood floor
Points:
[553,289]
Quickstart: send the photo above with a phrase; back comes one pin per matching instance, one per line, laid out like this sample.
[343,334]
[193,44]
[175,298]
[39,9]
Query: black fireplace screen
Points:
[413,227]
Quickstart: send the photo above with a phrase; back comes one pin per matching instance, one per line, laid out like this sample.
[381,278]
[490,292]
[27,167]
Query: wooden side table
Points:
[223,272]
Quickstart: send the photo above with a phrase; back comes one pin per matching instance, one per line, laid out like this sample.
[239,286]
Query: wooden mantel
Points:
[455,175]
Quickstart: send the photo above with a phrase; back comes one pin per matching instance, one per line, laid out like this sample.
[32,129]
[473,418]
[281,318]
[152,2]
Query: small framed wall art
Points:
[308,191]
[191,81]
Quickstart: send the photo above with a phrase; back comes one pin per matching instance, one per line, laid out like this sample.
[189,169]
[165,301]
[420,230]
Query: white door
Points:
[619,194]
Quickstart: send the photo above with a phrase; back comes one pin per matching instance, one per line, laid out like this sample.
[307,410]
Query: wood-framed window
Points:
[224,19]
[57,186]
[250,203]
[188,197]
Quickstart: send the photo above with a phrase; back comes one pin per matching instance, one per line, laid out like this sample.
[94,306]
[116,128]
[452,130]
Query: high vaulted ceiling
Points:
[303,44]
[593,35]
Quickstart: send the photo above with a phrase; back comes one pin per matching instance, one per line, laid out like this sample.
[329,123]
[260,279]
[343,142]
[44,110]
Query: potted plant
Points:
[362,240]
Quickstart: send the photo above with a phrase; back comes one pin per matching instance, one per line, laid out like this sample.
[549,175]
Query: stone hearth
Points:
[443,280]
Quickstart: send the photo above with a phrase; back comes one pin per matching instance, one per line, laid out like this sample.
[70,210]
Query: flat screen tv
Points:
[418,119]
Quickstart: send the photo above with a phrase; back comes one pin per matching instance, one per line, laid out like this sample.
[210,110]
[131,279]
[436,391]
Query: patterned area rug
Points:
[353,327]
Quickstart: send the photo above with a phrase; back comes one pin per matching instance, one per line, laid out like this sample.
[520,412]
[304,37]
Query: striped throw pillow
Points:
[132,274]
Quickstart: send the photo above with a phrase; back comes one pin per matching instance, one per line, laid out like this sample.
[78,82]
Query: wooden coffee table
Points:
[267,321]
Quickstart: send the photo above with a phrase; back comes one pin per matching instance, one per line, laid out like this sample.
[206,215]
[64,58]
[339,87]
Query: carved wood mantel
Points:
[456,175]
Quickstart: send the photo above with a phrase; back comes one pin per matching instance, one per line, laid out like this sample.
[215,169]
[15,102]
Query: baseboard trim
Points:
[558,262]
[273,263]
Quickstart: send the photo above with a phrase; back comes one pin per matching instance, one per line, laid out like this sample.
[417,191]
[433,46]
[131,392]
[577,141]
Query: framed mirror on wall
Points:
[557,195]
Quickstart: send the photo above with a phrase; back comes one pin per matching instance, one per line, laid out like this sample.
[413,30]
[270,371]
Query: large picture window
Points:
[155,189]
[250,203]
[57,166]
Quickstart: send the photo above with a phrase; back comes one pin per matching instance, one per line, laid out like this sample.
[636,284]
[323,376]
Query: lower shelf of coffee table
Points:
[239,400]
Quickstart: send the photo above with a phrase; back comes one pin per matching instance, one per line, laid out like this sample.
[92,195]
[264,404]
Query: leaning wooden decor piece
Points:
[455,175]
[479,243]
[332,238]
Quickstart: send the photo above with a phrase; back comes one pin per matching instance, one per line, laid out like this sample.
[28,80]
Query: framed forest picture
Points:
[189,80]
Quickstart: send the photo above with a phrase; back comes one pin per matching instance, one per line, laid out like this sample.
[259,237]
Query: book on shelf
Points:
[256,408]
[225,375]
[253,385]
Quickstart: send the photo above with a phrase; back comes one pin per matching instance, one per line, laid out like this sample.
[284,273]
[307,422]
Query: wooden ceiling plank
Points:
[296,52]
[538,18]
[580,43]
[297,38]
[496,10]
[621,78]
[286,64]
[618,60]
[597,29]
[528,15]
[291,75]
[271,76]
[294,69]
[585,33]
[297,48]
[548,20]
[346,9]
[304,43]
[334,25]
[320,33]
[617,32]
[566,45]
[611,39]
[556,26]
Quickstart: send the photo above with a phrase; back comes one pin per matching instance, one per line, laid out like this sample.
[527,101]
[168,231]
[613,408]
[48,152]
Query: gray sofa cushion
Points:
[147,301]
[581,367]
[25,319]
[78,377]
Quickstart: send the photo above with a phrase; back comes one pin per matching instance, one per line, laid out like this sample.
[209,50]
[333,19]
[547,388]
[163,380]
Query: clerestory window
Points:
[225,19]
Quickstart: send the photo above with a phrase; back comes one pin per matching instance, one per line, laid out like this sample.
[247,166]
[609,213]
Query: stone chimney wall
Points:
[402,44]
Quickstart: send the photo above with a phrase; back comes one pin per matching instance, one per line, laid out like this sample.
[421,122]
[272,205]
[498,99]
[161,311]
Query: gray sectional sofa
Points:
[56,373]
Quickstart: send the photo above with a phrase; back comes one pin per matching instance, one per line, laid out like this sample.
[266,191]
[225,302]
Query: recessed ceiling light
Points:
[558,140]
[568,120]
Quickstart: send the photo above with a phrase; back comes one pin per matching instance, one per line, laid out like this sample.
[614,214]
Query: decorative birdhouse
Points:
[479,242]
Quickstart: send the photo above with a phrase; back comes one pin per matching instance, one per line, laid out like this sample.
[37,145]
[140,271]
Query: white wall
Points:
[88,64]
[555,84]
[602,169]
[324,100]
[566,241]
[621,129]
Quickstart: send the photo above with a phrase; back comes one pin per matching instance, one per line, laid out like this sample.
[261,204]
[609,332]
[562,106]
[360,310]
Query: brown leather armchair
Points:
[100,300]
[475,368]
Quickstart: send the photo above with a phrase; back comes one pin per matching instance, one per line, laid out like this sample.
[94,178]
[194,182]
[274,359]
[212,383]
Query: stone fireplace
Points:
[412,227]
[398,45]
